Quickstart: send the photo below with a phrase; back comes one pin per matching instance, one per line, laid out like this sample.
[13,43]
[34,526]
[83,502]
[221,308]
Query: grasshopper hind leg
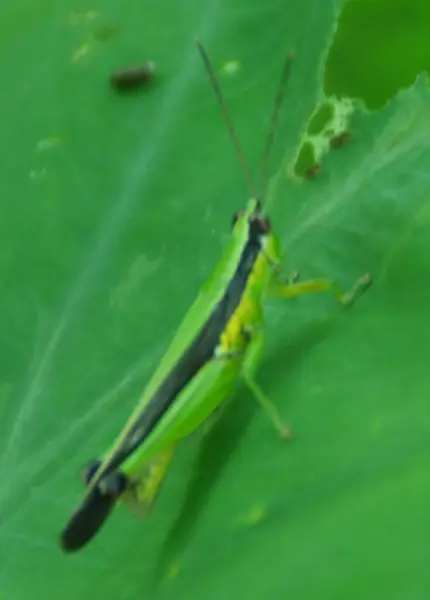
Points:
[88,472]
[113,484]
[143,489]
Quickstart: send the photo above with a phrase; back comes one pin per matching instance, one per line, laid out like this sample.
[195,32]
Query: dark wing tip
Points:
[87,520]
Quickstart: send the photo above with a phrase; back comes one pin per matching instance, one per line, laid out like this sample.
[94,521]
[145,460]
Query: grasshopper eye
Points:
[236,217]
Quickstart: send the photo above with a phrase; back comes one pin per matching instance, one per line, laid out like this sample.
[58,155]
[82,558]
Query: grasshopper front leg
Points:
[294,289]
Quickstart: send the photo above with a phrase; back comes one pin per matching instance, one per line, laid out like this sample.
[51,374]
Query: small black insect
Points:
[132,77]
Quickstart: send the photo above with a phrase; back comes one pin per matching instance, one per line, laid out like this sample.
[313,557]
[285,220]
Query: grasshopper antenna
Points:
[280,95]
[226,114]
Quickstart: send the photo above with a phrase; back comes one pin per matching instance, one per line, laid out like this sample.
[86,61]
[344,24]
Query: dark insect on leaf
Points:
[132,77]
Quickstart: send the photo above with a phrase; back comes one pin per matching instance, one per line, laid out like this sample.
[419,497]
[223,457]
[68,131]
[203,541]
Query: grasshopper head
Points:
[252,218]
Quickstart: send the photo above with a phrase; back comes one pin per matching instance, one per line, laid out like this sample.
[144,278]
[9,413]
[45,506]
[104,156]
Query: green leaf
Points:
[115,210]
[379,48]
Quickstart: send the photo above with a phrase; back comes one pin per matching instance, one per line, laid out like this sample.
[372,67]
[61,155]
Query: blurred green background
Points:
[115,210]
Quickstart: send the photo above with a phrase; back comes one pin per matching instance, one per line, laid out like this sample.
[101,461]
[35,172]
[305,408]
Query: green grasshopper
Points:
[218,342]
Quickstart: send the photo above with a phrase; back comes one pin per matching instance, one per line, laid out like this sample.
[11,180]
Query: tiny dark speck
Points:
[312,171]
[132,77]
[340,139]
